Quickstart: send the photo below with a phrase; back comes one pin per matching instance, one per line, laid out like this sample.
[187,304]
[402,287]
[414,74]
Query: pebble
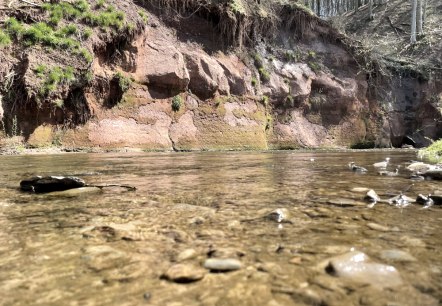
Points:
[343,202]
[381,228]
[222,265]
[186,254]
[182,273]
[360,189]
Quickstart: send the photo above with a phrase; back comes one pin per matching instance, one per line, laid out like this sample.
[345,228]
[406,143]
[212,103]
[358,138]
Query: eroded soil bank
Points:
[206,77]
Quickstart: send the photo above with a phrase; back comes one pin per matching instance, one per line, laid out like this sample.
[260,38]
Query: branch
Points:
[128,187]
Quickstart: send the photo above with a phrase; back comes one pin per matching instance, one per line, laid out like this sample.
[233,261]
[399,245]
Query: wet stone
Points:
[278,215]
[182,273]
[371,196]
[360,189]
[40,184]
[222,265]
[357,266]
[381,228]
[343,202]
[397,255]
[75,192]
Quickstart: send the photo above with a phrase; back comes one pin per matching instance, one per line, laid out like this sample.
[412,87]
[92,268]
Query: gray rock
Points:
[182,273]
[397,255]
[357,266]
[222,265]
[435,174]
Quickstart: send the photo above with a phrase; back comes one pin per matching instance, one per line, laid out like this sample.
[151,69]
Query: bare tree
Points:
[419,17]
[370,8]
[413,21]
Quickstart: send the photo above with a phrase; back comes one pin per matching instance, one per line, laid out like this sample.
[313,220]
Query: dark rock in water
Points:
[435,174]
[39,184]
[421,199]
[437,197]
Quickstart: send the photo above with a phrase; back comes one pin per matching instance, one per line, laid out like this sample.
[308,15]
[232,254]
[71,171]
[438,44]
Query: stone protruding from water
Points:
[357,266]
[372,196]
[222,265]
[40,184]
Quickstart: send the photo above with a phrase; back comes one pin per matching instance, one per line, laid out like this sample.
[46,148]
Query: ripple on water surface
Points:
[126,248]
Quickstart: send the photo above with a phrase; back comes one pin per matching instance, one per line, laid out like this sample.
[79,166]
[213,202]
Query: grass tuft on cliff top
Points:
[433,152]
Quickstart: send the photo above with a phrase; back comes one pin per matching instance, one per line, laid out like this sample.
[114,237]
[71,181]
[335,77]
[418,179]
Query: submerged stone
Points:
[357,266]
[182,273]
[222,265]
[40,184]
[75,192]
[397,255]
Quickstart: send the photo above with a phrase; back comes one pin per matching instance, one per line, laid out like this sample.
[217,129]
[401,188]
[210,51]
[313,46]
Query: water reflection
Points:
[112,248]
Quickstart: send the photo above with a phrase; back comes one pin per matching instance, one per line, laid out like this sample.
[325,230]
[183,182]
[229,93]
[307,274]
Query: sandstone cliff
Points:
[195,75]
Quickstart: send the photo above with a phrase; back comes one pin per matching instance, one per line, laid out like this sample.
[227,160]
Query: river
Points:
[116,247]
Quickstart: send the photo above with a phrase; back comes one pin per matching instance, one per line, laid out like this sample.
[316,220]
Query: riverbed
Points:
[117,247]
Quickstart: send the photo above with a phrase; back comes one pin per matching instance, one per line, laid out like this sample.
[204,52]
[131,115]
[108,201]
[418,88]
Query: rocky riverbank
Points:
[151,79]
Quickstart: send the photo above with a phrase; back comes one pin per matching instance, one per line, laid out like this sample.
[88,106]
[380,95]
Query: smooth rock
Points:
[40,184]
[359,189]
[343,202]
[181,273]
[434,174]
[397,255]
[357,266]
[186,254]
[379,227]
[418,167]
[437,197]
[222,265]
[76,192]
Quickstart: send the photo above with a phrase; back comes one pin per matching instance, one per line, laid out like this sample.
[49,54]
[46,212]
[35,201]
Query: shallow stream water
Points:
[114,247]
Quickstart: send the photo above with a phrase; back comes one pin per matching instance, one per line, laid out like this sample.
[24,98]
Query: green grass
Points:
[176,103]
[55,77]
[123,81]
[264,74]
[143,16]
[254,82]
[40,70]
[433,152]
[4,39]
[108,18]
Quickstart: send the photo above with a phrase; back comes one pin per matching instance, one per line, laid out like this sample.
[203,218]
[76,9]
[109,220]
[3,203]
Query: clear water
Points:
[112,248]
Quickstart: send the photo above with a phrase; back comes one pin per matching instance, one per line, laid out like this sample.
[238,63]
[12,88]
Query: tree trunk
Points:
[419,17]
[413,21]
[424,12]
[370,8]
